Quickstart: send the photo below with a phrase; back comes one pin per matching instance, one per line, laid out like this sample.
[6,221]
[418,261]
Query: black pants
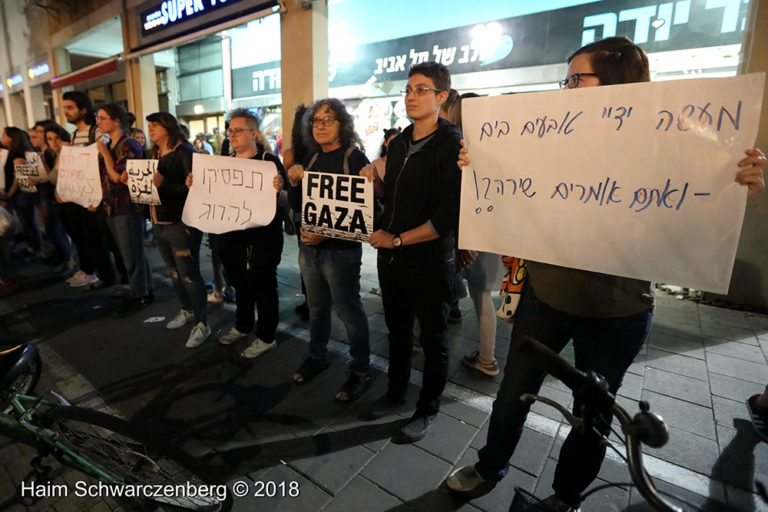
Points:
[252,269]
[417,290]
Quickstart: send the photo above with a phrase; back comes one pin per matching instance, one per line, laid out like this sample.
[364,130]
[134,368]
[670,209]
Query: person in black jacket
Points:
[416,242]
[177,243]
[251,256]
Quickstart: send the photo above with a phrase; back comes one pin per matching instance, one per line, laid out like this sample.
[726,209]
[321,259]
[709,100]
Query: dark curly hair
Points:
[347,134]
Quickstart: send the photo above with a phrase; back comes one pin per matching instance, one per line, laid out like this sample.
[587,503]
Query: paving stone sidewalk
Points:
[249,423]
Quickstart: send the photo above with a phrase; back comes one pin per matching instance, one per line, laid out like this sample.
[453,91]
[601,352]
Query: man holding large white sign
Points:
[237,197]
[613,180]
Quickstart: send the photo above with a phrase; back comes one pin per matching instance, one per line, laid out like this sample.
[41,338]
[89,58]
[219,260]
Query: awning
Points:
[96,70]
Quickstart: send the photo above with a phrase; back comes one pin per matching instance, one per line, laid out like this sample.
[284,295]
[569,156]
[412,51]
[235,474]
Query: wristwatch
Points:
[397,241]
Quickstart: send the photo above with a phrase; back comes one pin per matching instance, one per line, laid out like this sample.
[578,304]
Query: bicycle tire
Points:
[23,383]
[128,456]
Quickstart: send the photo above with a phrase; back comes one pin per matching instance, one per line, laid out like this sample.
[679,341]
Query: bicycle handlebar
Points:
[644,428]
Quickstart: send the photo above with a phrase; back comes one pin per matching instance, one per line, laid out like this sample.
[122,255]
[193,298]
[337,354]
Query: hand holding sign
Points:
[616,179]
[79,181]
[229,194]
[337,206]
[140,176]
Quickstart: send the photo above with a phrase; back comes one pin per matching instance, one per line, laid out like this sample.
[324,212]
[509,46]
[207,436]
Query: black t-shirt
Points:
[331,162]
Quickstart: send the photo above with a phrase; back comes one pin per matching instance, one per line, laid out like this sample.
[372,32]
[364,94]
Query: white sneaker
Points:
[181,319]
[84,280]
[199,334]
[74,277]
[232,336]
[257,348]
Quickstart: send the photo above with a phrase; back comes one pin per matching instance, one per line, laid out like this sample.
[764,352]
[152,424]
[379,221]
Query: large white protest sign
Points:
[79,181]
[634,180]
[3,159]
[230,194]
[140,181]
[337,205]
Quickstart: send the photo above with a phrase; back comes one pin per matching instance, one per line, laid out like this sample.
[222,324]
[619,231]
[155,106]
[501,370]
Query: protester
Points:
[608,317]
[251,256]
[482,270]
[416,257]
[56,137]
[757,406]
[202,146]
[23,202]
[381,162]
[178,244]
[124,218]
[141,138]
[82,225]
[297,153]
[330,267]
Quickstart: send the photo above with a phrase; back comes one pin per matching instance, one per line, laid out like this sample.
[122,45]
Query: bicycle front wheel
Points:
[130,464]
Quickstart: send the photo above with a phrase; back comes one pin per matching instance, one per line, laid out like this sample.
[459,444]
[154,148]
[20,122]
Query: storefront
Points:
[502,46]
[193,52]
[90,63]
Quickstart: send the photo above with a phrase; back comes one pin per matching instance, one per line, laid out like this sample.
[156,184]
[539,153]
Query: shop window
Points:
[119,92]
[209,84]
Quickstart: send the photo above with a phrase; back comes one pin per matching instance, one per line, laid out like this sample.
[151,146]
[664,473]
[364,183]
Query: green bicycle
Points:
[124,460]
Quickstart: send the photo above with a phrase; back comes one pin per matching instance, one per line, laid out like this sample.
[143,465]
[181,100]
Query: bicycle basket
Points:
[527,502]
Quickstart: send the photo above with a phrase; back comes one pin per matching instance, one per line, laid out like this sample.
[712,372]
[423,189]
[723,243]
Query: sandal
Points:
[354,387]
[308,370]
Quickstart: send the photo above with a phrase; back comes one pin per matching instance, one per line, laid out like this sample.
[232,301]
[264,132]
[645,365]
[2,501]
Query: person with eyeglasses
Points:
[416,245]
[330,267]
[608,317]
[250,257]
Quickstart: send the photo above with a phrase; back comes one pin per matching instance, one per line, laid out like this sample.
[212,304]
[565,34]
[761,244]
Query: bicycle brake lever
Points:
[575,421]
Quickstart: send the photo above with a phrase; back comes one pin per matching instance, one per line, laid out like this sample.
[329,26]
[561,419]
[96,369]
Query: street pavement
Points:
[247,422]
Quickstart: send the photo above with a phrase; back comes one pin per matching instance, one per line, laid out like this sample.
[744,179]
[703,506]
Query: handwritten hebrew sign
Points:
[3,159]
[36,159]
[140,181]
[337,205]
[230,194]
[634,180]
[79,181]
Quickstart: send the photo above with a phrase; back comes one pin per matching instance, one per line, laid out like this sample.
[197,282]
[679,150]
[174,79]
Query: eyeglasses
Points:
[419,91]
[237,131]
[573,81]
[325,121]
[103,118]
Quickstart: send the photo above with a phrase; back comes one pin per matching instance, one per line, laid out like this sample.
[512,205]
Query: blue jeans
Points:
[26,203]
[179,246]
[128,232]
[605,345]
[332,278]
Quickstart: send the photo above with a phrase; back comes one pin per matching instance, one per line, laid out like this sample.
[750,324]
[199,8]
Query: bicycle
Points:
[124,460]
[644,428]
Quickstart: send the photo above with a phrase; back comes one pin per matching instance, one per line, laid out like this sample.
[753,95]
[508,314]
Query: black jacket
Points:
[174,167]
[423,187]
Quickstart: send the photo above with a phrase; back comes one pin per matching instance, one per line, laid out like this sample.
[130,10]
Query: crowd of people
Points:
[417,182]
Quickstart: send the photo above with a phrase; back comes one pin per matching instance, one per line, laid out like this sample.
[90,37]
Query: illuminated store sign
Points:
[14,80]
[173,12]
[38,70]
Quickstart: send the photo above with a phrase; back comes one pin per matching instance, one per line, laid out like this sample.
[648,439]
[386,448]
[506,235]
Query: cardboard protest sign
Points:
[230,194]
[633,180]
[140,181]
[27,176]
[79,181]
[3,159]
[337,205]
[36,159]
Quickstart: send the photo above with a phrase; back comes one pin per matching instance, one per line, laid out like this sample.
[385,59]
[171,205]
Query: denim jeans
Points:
[332,278]
[422,291]
[605,345]
[25,203]
[128,232]
[179,246]
[54,227]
